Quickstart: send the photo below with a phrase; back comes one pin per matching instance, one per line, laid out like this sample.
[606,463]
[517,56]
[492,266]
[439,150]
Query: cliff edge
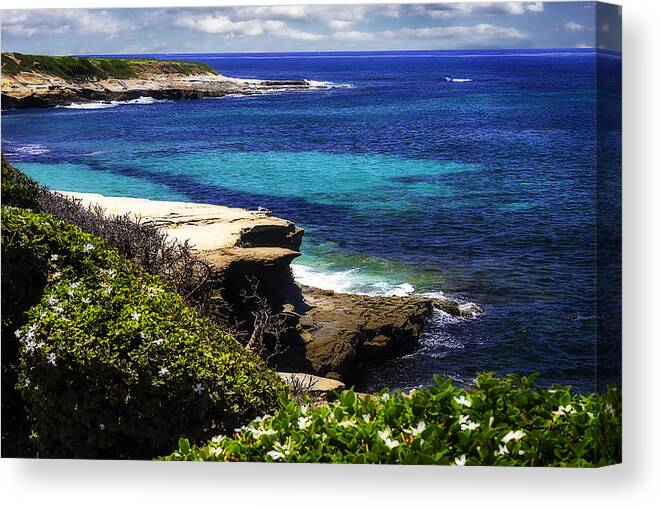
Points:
[48,81]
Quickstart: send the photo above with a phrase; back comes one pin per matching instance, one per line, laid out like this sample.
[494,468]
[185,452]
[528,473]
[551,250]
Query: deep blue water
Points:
[482,189]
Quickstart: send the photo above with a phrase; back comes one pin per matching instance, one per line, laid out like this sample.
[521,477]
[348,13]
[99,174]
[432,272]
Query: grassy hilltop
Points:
[74,67]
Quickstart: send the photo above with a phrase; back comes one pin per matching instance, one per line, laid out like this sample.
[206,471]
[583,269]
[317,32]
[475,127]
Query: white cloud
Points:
[216,23]
[339,24]
[353,35]
[573,26]
[62,21]
[450,10]
[468,34]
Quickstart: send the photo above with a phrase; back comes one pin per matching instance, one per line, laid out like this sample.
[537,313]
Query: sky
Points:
[367,27]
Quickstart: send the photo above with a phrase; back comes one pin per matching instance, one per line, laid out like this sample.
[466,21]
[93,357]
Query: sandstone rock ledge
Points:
[333,334]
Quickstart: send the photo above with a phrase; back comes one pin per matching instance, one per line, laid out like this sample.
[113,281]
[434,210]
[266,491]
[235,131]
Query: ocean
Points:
[463,174]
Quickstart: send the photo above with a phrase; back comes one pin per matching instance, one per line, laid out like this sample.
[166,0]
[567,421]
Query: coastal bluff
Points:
[331,334]
[30,81]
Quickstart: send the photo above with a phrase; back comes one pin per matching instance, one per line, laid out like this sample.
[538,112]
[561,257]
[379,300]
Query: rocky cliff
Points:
[331,334]
[47,81]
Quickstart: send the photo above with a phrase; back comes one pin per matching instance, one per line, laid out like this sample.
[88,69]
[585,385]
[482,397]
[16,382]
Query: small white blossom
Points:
[521,452]
[216,451]
[218,439]
[348,423]
[88,248]
[275,455]
[415,431]
[135,316]
[462,400]
[86,300]
[102,426]
[54,257]
[304,422]
[50,359]
[52,301]
[366,418]
[502,450]
[27,382]
[513,435]
[17,333]
[199,389]
[470,425]
[385,436]
[385,396]
[304,409]
[259,419]
[564,410]
[164,371]
[460,461]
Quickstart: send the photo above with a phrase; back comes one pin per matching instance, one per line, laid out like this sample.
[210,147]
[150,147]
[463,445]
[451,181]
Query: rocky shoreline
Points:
[37,86]
[332,334]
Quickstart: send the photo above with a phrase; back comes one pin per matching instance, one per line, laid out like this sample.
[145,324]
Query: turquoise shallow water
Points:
[483,190]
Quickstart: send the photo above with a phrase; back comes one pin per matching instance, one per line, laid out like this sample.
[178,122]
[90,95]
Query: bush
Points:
[113,363]
[18,189]
[501,422]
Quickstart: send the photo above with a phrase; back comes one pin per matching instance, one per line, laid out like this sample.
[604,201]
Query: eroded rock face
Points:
[331,334]
[339,332]
[40,89]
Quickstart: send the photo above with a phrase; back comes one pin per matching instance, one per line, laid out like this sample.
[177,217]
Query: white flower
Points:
[470,425]
[521,452]
[366,418]
[460,461]
[86,300]
[164,371]
[275,455]
[218,439]
[50,359]
[385,396]
[304,422]
[52,301]
[102,427]
[463,419]
[462,400]
[385,436]
[348,423]
[199,389]
[216,451]
[513,435]
[304,409]
[17,333]
[566,410]
[54,257]
[415,431]
[27,382]
[502,450]
[135,316]
[259,419]
[258,433]
[88,248]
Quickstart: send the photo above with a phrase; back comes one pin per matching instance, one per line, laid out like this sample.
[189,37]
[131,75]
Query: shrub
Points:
[112,362]
[18,189]
[501,422]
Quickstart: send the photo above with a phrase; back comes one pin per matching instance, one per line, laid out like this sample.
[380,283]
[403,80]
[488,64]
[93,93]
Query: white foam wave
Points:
[28,149]
[349,281]
[457,79]
[326,85]
[112,103]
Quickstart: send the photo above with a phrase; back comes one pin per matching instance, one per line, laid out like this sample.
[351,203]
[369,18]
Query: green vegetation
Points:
[18,189]
[82,68]
[500,422]
[102,359]
[112,363]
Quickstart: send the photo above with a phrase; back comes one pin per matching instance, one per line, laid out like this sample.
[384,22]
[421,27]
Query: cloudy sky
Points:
[466,25]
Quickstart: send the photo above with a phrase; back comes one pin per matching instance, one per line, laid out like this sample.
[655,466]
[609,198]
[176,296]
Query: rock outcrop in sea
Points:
[42,81]
[331,334]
